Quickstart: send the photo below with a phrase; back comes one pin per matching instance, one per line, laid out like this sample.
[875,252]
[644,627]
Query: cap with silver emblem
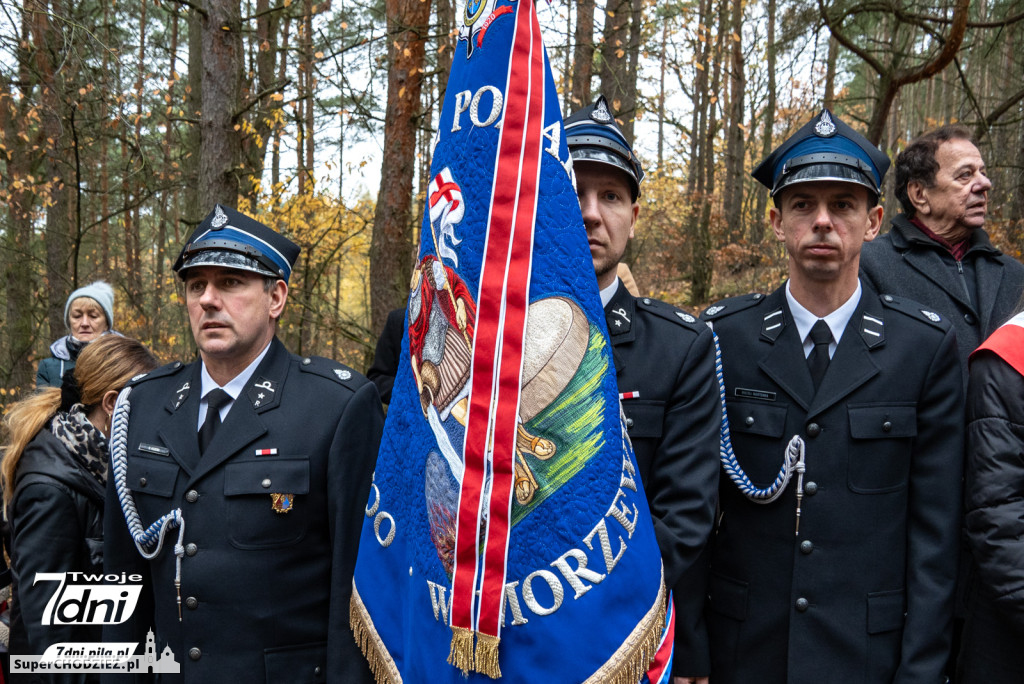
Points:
[592,135]
[231,239]
[824,149]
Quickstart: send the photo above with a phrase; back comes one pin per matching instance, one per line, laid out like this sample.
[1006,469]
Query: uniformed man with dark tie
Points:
[836,547]
[664,364]
[258,463]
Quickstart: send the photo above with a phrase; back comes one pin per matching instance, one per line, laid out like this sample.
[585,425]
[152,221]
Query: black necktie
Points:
[214,401]
[817,360]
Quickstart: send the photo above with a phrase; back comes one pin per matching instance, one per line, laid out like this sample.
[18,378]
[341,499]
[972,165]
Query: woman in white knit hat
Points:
[88,313]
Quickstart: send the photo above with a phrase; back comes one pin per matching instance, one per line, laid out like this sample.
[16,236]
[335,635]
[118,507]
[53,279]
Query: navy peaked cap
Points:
[231,239]
[592,135]
[824,149]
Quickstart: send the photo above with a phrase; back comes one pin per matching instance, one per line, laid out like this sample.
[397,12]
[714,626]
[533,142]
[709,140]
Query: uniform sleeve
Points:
[995,480]
[349,472]
[683,496]
[934,519]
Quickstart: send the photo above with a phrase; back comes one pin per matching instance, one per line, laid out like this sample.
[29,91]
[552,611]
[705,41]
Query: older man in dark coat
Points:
[937,251]
[836,547]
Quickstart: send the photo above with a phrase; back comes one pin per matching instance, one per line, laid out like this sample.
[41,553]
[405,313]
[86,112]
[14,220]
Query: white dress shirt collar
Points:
[609,292]
[836,321]
[233,388]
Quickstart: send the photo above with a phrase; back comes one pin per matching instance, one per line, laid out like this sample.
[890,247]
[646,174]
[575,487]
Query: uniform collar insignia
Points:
[262,392]
[931,316]
[825,128]
[772,324]
[181,394]
[872,329]
[343,373]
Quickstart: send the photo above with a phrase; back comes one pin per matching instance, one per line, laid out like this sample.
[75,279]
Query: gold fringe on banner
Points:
[461,655]
[628,664]
[382,665]
[487,655]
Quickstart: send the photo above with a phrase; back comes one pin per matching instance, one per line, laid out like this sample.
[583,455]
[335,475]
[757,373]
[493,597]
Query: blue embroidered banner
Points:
[506,533]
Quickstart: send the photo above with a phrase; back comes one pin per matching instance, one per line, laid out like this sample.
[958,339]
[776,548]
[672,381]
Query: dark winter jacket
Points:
[995,522]
[56,520]
[63,354]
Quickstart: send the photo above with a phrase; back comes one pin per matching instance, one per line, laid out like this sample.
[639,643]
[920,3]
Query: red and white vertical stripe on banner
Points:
[486,494]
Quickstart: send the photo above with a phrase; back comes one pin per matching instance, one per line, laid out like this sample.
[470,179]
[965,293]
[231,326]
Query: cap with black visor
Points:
[593,136]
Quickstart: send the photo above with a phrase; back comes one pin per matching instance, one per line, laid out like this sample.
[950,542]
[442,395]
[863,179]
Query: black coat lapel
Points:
[784,360]
[180,433]
[243,424]
[620,316]
[852,365]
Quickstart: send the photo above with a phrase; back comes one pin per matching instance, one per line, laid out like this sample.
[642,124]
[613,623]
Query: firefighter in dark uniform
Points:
[836,547]
[664,364]
[263,460]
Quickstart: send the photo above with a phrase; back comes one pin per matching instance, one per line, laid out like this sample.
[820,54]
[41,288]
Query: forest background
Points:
[123,121]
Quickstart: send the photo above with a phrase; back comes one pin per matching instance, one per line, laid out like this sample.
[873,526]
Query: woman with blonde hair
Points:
[54,472]
[88,314]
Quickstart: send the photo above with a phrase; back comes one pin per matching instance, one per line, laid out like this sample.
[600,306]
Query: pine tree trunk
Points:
[391,256]
[583,56]
[222,60]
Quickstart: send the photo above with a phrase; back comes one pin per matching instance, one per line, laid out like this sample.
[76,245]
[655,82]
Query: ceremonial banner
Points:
[506,533]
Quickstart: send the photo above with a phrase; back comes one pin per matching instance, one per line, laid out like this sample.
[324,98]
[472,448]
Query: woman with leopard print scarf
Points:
[54,473]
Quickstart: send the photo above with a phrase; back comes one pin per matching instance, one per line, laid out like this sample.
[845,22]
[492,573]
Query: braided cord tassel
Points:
[793,458]
[152,537]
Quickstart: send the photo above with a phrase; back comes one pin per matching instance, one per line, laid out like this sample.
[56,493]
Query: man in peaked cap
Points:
[836,546]
[268,456]
[664,364]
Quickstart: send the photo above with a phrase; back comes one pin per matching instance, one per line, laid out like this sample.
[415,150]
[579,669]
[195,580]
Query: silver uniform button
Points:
[191,549]
[266,483]
[191,496]
[194,653]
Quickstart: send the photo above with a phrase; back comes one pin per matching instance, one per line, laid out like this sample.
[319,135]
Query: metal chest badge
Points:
[282,503]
